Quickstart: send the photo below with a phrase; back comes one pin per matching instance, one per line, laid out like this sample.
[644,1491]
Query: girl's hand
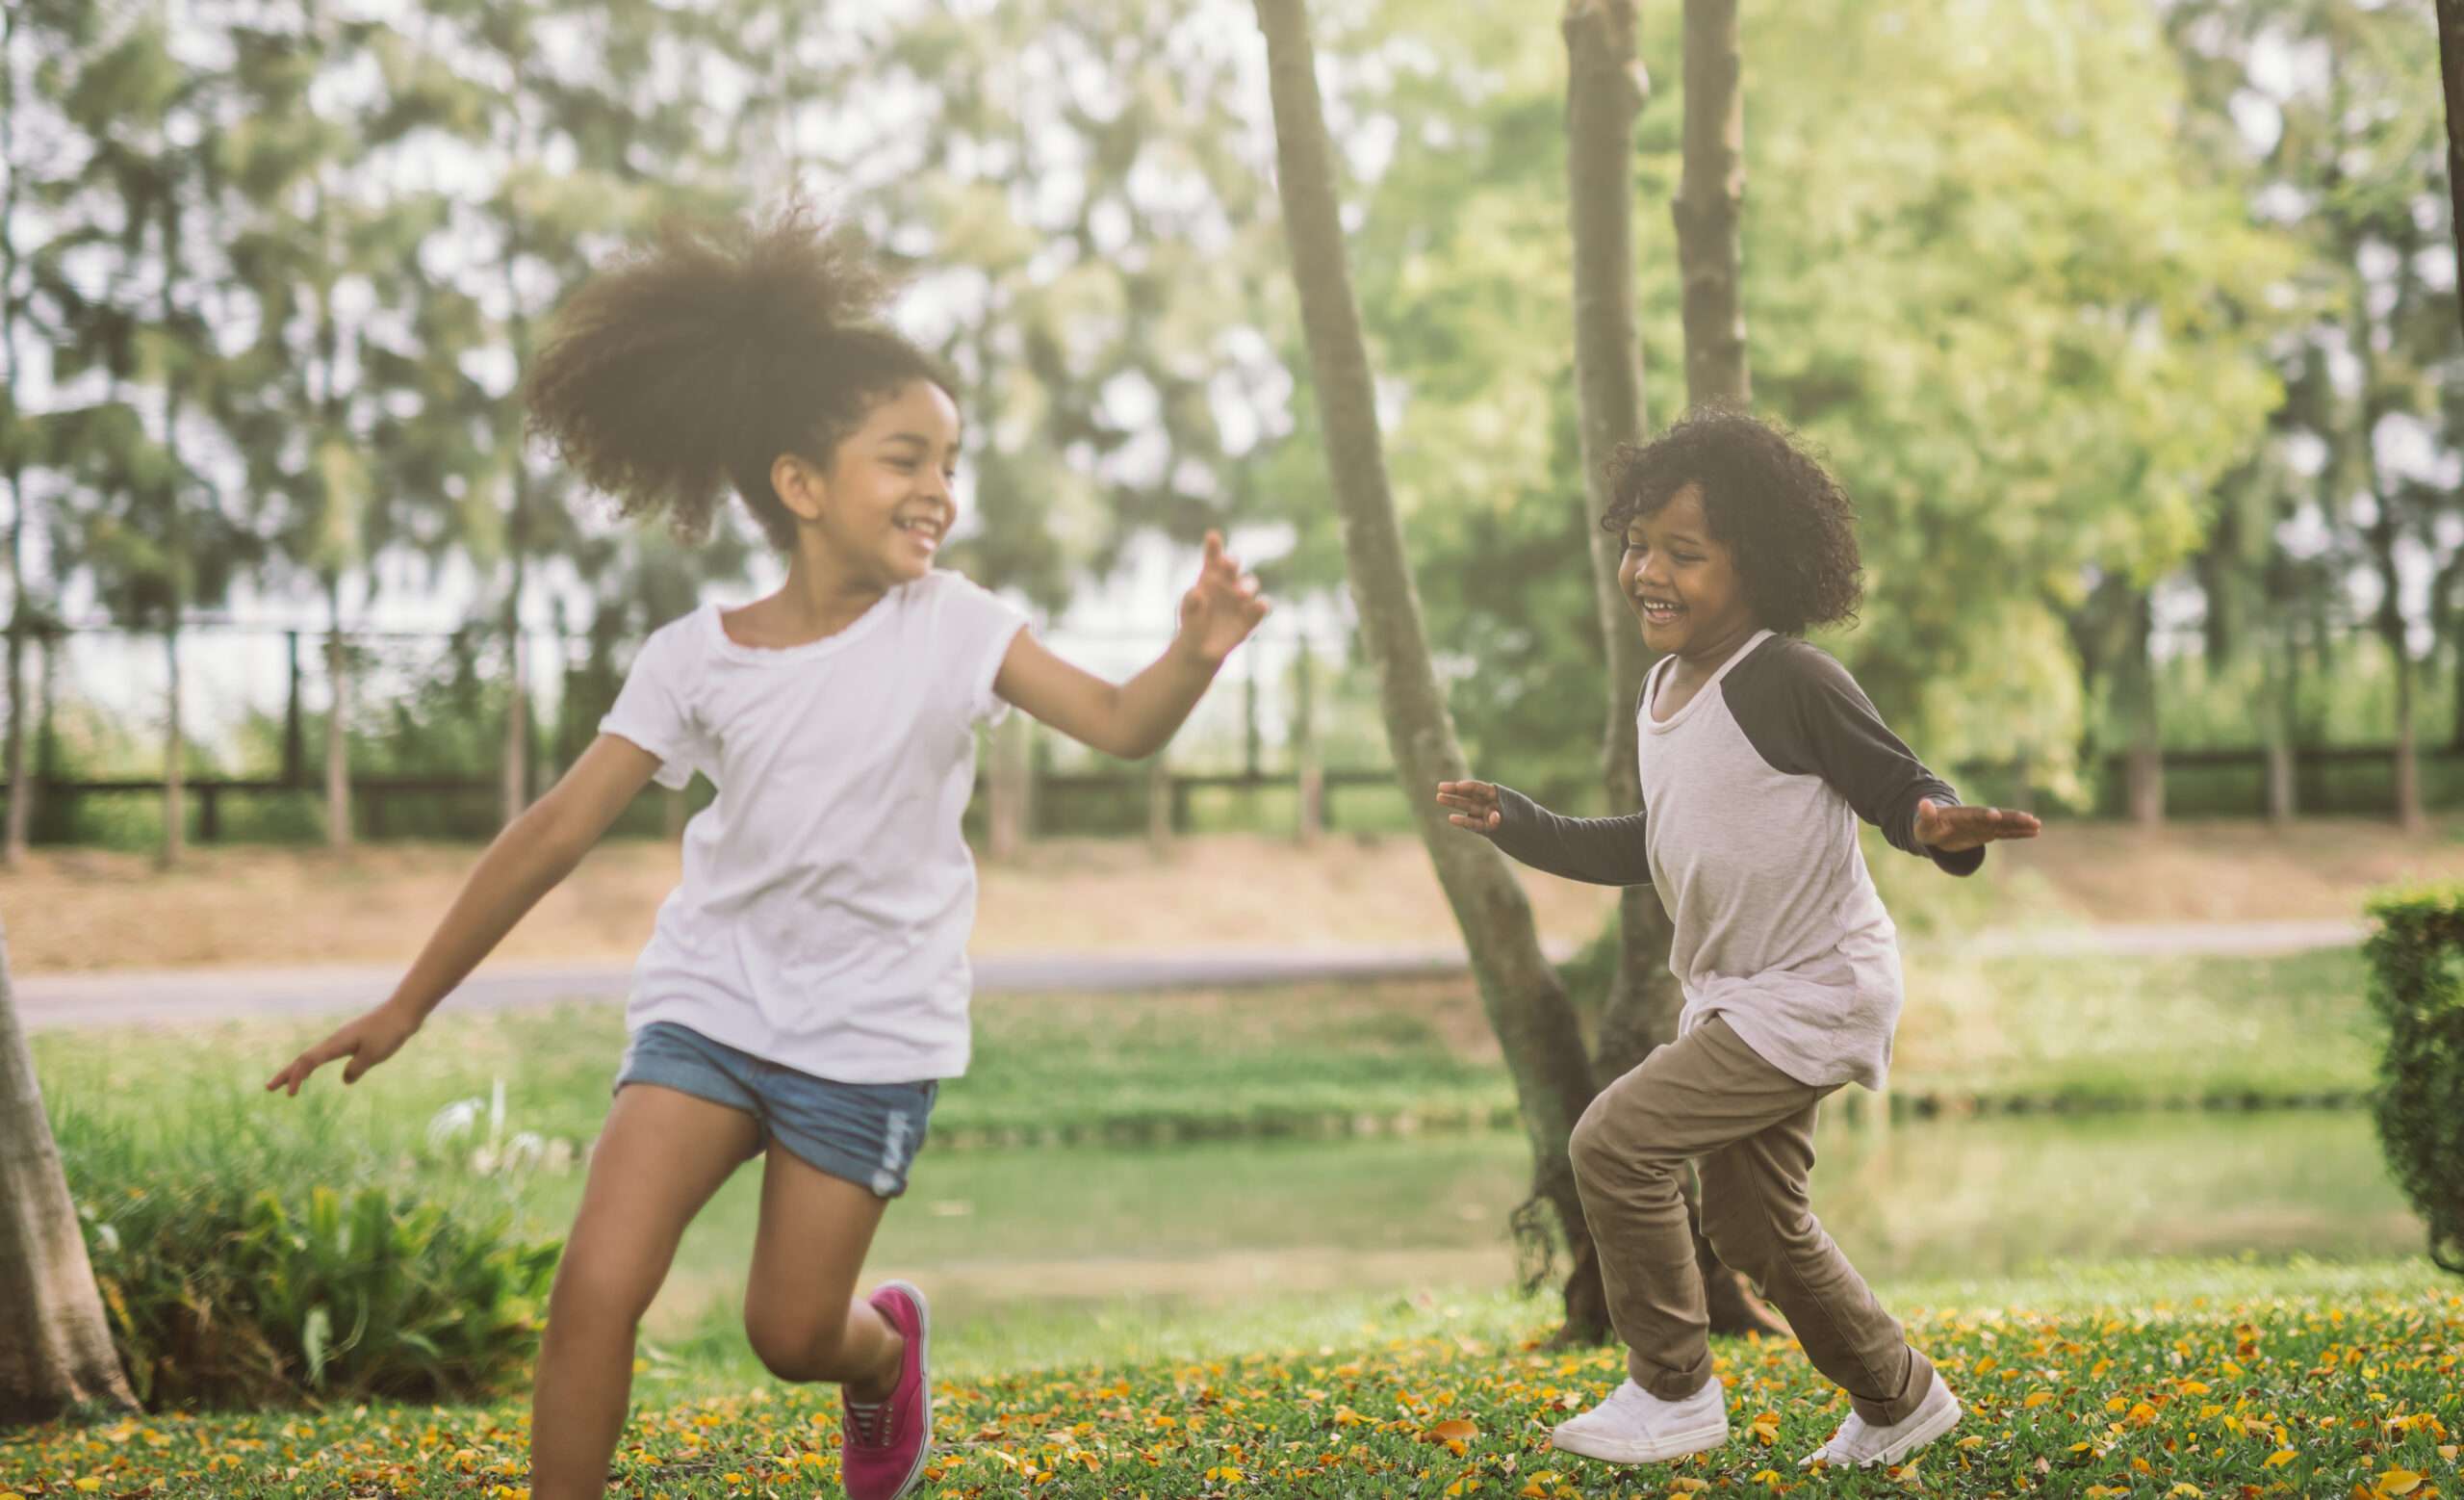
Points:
[1952,829]
[1471,804]
[367,1041]
[1221,608]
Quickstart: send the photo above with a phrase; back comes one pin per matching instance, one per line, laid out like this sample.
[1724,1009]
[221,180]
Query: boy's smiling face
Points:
[1681,583]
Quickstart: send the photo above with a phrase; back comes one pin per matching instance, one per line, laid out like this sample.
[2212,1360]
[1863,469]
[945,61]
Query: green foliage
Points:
[2416,986]
[242,1264]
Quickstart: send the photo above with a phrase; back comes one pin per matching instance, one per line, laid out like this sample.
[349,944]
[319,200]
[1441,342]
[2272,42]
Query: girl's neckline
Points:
[802,651]
[1651,685]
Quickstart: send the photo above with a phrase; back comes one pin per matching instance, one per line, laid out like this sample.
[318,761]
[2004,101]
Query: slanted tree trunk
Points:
[58,1354]
[1519,988]
[1606,89]
[13,842]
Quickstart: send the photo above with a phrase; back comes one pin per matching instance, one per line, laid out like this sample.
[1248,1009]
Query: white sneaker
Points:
[1859,1444]
[1633,1426]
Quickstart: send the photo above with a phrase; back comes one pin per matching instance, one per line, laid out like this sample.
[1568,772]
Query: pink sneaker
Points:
[882,1448]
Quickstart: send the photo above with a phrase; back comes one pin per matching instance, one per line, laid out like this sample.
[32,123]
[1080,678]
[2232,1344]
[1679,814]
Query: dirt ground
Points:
[87,910]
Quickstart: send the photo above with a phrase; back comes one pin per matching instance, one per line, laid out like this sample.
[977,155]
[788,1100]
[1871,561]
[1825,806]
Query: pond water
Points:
[992,1231]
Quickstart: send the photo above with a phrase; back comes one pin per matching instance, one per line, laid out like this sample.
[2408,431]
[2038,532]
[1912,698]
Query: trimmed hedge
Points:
[2416,986]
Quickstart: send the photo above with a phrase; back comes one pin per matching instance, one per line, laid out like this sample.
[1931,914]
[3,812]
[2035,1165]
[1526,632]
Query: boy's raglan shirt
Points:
[1752,793]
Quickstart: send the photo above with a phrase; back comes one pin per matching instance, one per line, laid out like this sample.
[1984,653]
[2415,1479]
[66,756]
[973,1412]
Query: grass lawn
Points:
[2164,1379]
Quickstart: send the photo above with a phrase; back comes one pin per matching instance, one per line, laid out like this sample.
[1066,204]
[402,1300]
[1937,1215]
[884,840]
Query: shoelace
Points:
[872,1424]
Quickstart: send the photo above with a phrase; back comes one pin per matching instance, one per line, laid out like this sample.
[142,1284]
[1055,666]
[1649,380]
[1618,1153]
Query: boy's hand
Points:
[1952,829]
[1471,804]
[367,1041]
[1222,607]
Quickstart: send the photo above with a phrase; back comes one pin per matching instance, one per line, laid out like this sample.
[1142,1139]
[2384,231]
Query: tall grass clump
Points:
[251,1256]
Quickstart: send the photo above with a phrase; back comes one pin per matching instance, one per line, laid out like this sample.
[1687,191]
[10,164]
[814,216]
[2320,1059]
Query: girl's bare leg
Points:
[799,1307]
[659,1160]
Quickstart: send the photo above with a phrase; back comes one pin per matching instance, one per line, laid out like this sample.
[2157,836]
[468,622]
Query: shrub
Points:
[234,1273]
[2416,986]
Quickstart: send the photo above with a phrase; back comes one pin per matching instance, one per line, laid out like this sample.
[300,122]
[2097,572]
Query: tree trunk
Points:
[1159,805]
[12,845]
[1526,1003]
[2276,725]
[13,842]
[1310,767]
[58,1356]
[1606,89]
[1710,206]
[175,812]
[1012,788]
[514,767]
[338,830]
[2144,763]
[2450,72]
[2409,815]
[47,731]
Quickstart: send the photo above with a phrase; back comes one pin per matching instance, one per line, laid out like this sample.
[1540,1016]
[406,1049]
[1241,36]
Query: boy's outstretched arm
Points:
[1605,851]
[533,853]
[1134,719]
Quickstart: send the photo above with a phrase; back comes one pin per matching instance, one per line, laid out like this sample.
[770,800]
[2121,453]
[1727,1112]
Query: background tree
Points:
[2322,111]
[1524,1002]
[1605,89]
[58,1356]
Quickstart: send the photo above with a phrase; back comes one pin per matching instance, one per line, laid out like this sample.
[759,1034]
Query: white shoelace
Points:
[872,1422]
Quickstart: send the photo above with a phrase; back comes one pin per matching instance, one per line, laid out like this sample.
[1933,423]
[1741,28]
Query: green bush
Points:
[233,1275]
[2416,986]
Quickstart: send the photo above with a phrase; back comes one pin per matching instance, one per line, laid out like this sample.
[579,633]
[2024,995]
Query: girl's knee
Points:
[796,1346]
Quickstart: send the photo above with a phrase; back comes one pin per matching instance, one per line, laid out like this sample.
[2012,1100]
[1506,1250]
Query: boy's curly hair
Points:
[1781,514]
[694,362]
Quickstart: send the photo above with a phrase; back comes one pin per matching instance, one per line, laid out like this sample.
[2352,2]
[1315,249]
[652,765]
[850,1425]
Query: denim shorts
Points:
[866,1133]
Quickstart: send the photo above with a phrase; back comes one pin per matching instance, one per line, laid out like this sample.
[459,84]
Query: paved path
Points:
[126,996]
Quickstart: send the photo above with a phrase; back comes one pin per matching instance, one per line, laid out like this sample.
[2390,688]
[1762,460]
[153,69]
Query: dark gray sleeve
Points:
[1804,715]
[1605,851]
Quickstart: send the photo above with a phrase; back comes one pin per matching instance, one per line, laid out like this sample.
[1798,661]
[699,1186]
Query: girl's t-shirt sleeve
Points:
[654,710]
[978,625]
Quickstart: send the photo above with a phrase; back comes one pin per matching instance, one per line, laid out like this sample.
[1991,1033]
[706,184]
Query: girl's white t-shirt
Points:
[823,917]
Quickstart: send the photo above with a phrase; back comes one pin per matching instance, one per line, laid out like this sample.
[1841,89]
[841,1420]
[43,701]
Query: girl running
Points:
[807,985]
[1760,754]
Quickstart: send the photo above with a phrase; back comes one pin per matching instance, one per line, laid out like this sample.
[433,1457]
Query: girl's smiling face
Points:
[886,505]
[1681,583]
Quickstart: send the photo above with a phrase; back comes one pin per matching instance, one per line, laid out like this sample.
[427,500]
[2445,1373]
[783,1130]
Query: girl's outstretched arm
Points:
[535,851]
[1134,719]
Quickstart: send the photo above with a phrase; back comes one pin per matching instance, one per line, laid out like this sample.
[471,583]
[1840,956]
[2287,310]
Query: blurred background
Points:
[2132,327]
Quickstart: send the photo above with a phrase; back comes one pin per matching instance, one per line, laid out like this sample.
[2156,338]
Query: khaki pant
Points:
[1710,1095]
